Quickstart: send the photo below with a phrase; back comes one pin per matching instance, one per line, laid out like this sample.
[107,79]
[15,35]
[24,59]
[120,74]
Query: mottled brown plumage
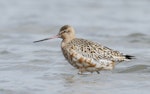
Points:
[85,55]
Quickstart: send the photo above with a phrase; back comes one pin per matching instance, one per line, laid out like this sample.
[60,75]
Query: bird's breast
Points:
[76,59]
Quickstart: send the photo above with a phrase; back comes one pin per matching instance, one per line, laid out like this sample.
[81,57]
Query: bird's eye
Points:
[66,31]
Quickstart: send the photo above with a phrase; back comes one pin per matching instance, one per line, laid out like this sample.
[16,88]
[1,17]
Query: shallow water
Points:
[28,68]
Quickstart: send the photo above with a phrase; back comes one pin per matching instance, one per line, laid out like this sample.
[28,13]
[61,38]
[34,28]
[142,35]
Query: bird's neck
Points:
[66,40]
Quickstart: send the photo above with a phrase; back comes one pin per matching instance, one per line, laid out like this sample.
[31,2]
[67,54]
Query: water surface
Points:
[28,68]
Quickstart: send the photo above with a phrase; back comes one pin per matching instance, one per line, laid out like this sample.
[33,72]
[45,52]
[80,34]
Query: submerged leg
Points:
[91,72]
[80,73]
[99,69]
[81,70]
[98,72]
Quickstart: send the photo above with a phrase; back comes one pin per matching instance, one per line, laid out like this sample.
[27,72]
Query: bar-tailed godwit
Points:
[85,55]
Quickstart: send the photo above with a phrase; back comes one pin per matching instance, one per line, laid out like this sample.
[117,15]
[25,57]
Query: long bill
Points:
[57,36]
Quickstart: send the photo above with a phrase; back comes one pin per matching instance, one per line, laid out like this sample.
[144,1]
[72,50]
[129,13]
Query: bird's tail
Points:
[129,57]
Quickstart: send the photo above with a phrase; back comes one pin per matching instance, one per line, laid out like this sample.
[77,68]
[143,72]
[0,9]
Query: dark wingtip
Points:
[129,57]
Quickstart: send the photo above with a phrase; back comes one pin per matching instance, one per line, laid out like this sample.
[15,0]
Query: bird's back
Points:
[89,49]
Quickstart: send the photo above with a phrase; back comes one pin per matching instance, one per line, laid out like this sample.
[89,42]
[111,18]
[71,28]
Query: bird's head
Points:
[66,33]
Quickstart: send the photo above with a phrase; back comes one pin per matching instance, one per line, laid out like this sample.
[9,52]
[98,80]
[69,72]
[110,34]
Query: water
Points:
[28,68]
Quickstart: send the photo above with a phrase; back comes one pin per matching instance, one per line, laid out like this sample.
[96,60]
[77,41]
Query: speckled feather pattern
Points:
[94,56]
[94,50]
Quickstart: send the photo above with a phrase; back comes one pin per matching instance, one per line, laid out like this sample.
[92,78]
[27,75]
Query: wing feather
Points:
[93,50]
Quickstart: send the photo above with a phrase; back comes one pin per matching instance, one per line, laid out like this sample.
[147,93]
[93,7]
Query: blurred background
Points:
[27,68]
[131,14]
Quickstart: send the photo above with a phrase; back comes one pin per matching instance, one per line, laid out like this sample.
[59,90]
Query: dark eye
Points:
[66,31]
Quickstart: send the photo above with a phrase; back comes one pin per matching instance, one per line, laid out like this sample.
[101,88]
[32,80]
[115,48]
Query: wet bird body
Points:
[88,56]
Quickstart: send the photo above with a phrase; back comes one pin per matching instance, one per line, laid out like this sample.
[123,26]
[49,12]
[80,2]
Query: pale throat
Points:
[66,40]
